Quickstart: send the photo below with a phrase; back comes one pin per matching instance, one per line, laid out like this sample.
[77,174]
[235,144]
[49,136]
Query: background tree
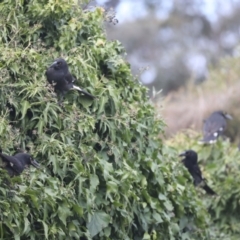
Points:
[176,40]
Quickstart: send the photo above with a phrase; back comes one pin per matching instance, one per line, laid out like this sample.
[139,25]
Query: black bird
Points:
[214,126]
[191,163]
[59,75]
[16,164]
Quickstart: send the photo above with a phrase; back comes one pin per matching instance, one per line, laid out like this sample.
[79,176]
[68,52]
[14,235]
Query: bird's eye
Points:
[59,63]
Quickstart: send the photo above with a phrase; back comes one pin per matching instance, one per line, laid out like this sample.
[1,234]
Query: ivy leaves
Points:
[105,173]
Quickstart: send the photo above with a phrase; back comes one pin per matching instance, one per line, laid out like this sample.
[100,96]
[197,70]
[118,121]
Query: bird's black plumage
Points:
[16,164]
[190,161]
[214,126]
[59,75]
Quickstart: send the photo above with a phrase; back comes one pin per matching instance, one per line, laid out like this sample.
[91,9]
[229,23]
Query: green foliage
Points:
[220,164]
[105,173]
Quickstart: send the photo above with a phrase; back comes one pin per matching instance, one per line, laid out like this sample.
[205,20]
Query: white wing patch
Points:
[78,88]
[212,141]
[215,134]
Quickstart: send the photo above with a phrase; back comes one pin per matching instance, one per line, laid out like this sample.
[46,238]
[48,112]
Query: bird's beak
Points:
[35,163]
[183,154]
[53,64]
[228,116]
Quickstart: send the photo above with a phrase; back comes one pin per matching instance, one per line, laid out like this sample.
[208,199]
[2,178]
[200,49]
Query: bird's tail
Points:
[83,91]
[208,189]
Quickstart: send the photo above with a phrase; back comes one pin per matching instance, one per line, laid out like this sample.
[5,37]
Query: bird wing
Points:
[196,173]
[69,78]
[12,162]
[58,77]
[10,170]
[49,74]
[212,129]
[83,91]
[197,176]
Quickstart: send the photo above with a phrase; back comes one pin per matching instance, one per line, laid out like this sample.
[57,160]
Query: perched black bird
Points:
[214,126]
[59,75]
[191,163]
[16,164]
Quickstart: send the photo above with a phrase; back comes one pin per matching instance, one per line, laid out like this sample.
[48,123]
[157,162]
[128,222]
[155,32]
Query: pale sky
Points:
[128,10]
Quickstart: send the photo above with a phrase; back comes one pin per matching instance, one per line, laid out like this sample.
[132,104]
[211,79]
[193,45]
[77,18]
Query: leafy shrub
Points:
[220,164]
[105,173]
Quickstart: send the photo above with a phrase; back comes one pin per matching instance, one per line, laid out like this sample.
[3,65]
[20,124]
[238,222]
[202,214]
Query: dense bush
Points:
[220,164]
[105,173]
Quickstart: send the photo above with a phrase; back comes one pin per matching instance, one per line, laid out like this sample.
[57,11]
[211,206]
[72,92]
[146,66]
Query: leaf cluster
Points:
[220,166]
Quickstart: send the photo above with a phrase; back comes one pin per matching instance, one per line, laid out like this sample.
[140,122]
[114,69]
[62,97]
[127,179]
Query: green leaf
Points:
[45,227]
[99,221]
[26,226]
[25,106]
[78,210]
[157,217]
[40,126]
[86,102]
[168,205]
[64,212]
[94,181]
[146,236]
